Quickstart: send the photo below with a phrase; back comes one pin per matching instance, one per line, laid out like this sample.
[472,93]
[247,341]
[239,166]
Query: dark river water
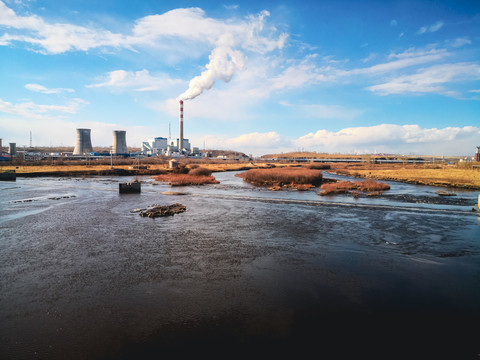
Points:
[244,271]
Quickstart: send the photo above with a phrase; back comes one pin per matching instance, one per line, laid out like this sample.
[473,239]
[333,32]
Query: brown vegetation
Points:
[300,178]
[186,179]
[462,175]
[318,166]
[200,171]
[369,186]
[183,176]
[458,176]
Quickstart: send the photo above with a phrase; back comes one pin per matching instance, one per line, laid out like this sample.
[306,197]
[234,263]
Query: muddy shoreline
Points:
[112,172]
[438,177]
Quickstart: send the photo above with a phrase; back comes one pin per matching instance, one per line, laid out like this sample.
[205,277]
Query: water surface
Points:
[244,268]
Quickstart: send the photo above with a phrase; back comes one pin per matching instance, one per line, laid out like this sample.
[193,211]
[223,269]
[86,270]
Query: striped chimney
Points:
[180,140]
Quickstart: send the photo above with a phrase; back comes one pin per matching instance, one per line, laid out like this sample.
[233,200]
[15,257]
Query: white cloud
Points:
[65,131]
[255,143]
[395,139]
[410,57]
[459,42]
[430,80]
[172,29]
[42,89]
[431,28]
[53,38]
[138,81]
[41,111]
[369,57]
[231,7]
[186,31]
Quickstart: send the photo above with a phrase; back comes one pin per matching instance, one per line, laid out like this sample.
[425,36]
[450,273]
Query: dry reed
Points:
[370,186]
[286,176]
[186,179]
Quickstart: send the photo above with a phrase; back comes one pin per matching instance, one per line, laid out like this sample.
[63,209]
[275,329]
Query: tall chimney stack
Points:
[180,140]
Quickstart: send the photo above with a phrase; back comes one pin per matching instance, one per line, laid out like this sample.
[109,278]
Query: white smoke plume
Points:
[224,62]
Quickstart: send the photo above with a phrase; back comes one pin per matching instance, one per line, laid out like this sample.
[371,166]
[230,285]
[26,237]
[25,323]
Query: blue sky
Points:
[257,76]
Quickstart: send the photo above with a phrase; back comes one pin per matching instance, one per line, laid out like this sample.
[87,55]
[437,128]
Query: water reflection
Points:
[83,277]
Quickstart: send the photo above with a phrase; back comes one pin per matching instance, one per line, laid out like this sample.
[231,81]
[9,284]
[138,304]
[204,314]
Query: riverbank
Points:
[438,175]
[107,170]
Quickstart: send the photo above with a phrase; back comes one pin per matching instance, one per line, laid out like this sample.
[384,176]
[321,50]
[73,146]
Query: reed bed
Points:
[187,179]
[300,178]
[369,186]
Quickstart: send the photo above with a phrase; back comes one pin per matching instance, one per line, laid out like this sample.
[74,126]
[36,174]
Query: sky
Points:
[260,77]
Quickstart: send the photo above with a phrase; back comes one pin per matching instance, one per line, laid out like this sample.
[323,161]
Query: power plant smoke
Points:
[224,62]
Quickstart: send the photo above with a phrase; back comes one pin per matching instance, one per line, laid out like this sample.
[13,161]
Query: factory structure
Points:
[155,146]
[119,146]
[83,144]
[152,147]
[163,146]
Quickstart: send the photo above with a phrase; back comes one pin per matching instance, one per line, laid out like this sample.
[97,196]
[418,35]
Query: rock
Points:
[174,193]
[160,211]
[445,193]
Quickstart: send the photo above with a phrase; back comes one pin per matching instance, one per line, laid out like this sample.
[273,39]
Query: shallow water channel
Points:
[82,276]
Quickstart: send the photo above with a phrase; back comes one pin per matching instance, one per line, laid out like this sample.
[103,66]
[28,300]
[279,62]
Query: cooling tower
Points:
[119,142]
[84,143]
[12,149]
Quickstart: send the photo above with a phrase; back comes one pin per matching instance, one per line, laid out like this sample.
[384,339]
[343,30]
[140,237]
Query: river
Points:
[242,269]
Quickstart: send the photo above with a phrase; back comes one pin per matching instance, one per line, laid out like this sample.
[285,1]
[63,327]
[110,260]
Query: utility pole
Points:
[111,157]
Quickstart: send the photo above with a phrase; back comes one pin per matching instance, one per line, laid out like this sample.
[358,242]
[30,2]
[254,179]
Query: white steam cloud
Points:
[224,62]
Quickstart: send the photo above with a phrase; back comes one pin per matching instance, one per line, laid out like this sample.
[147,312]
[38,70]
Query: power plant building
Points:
[186,145]
[119,146]
[155,146]
[84,142]
[161,146]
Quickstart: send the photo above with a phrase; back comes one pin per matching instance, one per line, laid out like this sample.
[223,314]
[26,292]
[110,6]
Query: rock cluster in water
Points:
[161,210]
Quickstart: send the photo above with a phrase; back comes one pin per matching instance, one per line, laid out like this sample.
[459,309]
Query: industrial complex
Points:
[154,146]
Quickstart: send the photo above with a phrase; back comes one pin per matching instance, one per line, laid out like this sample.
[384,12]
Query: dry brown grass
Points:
[70,168]
[200,171]
[186,179]
[369,186]
[436,175]
[285,176]
[80,167]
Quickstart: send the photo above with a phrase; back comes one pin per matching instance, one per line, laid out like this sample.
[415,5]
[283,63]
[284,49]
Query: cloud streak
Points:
[136,80]
[430,80]
[41,111]
[186,26]
[393,138]
[44,90]
[430,28]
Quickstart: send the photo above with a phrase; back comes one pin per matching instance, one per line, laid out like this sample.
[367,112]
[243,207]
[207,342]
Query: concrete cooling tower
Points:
[84,143]
[119,142]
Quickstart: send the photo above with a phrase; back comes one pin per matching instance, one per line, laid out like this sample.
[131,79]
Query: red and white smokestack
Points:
[180,140]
